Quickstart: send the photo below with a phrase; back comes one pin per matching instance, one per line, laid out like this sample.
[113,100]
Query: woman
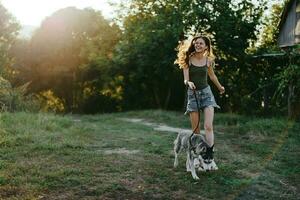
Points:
[197,62]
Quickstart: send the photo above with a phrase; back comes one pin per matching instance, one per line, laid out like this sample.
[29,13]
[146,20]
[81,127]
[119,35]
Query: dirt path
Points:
[157,127]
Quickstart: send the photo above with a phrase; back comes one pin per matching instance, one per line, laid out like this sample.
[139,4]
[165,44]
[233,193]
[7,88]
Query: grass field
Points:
[47,156]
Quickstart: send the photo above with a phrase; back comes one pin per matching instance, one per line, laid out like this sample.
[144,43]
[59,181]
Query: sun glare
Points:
[32,12]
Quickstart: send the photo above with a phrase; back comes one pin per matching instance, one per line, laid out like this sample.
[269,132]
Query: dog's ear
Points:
[211,149]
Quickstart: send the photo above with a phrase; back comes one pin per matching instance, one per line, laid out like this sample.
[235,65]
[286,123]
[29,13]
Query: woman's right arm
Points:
[187,78]
[186,75]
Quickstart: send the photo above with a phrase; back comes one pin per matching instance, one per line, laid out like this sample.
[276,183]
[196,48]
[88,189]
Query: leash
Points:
[198,107]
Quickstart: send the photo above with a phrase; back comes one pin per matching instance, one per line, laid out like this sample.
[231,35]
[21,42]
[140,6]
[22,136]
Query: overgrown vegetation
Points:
[15,99]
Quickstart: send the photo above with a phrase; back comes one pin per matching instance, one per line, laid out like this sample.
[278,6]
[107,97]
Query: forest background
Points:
[77,61]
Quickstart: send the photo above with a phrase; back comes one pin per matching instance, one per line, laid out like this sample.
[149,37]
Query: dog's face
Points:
[206,159]
[203,160]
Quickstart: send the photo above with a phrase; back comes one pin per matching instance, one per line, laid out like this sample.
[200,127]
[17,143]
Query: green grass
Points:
[47,156]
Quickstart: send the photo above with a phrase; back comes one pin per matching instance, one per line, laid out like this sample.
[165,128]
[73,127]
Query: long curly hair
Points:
[186,50]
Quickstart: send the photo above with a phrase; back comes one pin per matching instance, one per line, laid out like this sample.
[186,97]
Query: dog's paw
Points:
[175,162]
[196,177]
[214,166]
[200,169]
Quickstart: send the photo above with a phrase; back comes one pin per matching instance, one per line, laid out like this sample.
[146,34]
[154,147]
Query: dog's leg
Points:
[177,146]
[214,165]
[176,160]
[200,168]
[194,174]
[192,167]
[188,168]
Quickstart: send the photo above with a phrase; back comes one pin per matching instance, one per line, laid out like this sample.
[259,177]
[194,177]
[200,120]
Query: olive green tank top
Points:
[198,75]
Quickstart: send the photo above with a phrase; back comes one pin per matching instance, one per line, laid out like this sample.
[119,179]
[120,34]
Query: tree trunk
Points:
[156,96]
[167,100]
[290,97]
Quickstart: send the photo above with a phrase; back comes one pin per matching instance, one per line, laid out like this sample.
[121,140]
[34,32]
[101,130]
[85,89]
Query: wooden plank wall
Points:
[287,32]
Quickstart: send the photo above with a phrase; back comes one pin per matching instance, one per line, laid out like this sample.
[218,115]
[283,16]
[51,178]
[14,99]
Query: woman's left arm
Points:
[213,77]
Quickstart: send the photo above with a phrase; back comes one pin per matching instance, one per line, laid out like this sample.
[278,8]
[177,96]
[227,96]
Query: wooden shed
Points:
[289,26]
[289,39]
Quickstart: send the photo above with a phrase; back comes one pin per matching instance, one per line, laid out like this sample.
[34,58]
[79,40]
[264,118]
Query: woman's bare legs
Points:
[208,124]
[209,133]
[194,121]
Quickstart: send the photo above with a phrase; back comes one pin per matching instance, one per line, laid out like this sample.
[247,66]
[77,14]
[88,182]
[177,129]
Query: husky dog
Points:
[199,153]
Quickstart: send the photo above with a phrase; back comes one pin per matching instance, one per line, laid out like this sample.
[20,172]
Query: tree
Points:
[11,99]
[152,30]
[146,54]
[66,51]
[268,38]
[8,32]
[273,68]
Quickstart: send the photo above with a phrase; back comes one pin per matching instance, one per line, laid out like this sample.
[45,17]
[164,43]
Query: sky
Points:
[33,12]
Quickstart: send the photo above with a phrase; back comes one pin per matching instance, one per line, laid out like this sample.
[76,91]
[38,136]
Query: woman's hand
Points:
[222,90]
[191,85]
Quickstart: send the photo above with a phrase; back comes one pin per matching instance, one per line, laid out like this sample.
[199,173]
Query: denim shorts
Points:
[205,99]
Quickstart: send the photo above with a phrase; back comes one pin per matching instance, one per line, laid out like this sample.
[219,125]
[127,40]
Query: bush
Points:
[15,99]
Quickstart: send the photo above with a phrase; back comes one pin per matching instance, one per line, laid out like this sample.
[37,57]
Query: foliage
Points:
[278,70]
[15,99]
[69,54]
[289,76]
[152,30]
[289,83]
[8,32]
[77,61]
[11,98]
[50,103]
[269,35]
[145,54]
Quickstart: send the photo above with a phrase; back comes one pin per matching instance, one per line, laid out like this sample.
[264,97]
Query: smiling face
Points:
[200,45]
